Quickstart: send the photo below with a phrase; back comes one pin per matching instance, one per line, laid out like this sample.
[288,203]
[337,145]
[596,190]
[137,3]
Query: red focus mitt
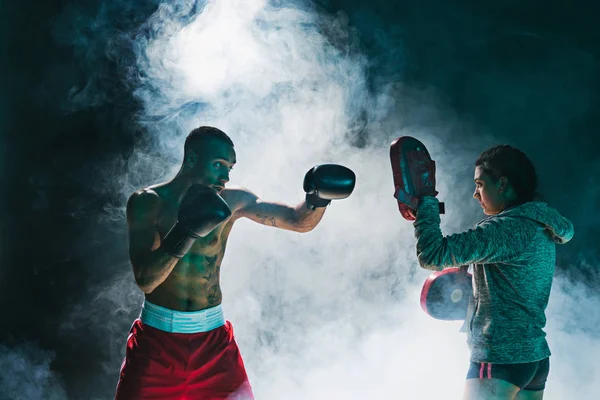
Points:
[414,175]
[445,294]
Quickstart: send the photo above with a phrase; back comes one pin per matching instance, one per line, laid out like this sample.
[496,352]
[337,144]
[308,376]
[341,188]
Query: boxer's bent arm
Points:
[308,219]
[151,265]
[496,240]
[298,219]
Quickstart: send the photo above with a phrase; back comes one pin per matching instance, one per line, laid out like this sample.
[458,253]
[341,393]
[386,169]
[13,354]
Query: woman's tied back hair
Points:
[512,163]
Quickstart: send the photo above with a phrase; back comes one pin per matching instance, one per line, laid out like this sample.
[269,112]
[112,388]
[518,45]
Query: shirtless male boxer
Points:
[181,347]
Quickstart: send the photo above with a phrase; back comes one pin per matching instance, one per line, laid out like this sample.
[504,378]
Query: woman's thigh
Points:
[530,395]
[489,389]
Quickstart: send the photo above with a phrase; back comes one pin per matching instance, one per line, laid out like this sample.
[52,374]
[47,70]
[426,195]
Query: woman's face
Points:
[490,194]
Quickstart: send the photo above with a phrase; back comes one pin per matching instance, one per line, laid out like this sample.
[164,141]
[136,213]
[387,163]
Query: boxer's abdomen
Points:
[194,283]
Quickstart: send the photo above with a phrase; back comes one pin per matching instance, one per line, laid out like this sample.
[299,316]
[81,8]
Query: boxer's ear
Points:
[191,157]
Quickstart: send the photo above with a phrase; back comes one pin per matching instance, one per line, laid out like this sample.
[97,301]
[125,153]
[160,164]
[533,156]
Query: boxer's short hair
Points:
[202,133]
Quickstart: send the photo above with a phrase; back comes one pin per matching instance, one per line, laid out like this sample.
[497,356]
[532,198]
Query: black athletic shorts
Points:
[528,376]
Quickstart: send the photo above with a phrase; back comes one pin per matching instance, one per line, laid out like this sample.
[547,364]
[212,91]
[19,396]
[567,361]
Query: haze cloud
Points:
[333,313]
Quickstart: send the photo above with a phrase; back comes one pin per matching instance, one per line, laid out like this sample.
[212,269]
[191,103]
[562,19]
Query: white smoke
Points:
[333,313]
[26,374]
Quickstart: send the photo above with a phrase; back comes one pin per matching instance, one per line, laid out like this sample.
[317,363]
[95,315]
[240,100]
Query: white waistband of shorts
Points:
[174,321]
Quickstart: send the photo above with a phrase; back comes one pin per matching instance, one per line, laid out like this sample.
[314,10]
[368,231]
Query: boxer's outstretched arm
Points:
[151,265]
[298,219]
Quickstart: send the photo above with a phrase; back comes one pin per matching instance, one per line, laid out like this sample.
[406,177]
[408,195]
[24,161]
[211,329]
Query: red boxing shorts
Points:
[163,362]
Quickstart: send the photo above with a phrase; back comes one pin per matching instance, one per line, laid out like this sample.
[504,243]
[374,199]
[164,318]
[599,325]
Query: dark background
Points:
[527,71]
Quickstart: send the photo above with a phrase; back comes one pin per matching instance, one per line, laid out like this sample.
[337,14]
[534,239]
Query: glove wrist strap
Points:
[313,201]
[178,241]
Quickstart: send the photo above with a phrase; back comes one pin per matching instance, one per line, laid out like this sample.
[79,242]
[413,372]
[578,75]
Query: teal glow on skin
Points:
[494,196]
[211,163]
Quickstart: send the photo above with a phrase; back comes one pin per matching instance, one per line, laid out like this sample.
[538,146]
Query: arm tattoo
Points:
[265,220]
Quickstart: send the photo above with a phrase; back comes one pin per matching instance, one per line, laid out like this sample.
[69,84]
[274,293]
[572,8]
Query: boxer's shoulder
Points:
[144,203]
[155,194]
[143,198]
[238,197]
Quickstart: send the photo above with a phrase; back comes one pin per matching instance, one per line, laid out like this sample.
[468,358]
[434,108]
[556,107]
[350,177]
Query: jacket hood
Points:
[560,229]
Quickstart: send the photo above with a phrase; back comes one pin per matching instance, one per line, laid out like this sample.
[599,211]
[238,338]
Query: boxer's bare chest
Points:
[207,252]
[194,282]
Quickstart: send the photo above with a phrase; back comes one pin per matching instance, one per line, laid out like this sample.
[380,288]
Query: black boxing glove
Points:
[327,182]
[201,210]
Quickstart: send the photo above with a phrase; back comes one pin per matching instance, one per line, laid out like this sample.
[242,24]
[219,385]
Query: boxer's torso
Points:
[194,282]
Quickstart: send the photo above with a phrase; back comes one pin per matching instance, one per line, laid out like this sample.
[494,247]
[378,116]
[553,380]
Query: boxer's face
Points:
[214,160]
[489,193]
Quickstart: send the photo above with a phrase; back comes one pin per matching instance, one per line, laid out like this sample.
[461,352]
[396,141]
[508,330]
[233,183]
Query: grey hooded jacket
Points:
[513,255]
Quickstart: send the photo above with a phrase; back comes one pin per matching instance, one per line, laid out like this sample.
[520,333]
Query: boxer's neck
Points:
[179,185]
